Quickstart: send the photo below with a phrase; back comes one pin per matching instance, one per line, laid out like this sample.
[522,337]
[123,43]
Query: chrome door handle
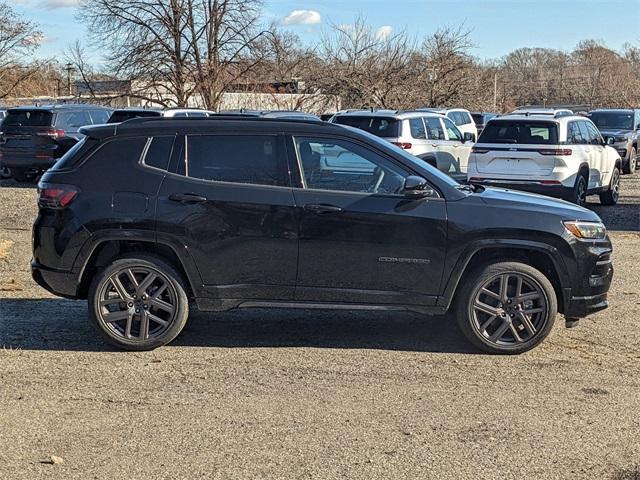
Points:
[187,198]
[322,208]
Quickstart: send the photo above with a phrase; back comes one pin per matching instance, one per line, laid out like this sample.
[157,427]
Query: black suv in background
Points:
[234,212]
[33,138]
[623,126]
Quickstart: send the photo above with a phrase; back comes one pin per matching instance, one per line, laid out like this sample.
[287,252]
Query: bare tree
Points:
[19,38]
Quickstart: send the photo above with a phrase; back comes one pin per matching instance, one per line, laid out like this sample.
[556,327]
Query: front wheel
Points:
[632,164]
[506,307]
[610,197]
[138,303]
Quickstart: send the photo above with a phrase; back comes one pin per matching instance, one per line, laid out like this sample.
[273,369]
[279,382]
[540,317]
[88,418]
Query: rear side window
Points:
[28,118]
[119,151]
[159,152]
[521,132]
[254,159]
[379,126]
[575,136]
[417,129]
[434,128]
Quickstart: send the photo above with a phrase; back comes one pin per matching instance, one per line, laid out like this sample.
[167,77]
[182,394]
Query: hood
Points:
[615,132]
[533,203]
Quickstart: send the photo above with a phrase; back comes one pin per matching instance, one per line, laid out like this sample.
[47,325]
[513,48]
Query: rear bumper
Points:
[32,161]
[532,186]
[62,284]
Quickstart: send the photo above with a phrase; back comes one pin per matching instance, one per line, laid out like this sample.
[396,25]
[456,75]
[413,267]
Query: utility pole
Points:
[69,70]
[495,91]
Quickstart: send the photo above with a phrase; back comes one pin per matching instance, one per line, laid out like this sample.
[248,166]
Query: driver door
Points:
[360,239]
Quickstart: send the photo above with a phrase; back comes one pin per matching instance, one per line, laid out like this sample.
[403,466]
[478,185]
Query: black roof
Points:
[236,122]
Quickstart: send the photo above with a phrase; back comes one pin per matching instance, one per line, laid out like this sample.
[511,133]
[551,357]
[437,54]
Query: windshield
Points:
[522,132]
[612,120]
[379,126]
[28,118]
[410,158]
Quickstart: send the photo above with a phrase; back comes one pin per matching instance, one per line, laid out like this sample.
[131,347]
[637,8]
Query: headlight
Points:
[620,139]
[586,230]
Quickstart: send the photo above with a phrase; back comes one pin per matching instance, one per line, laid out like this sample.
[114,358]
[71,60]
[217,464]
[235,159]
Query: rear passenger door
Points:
[228,202]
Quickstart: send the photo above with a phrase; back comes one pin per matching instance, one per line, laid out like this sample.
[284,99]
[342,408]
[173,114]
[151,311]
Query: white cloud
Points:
[299,17]
[53,4]
[384,32]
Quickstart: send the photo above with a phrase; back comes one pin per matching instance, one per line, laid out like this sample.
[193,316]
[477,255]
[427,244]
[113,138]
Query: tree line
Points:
[175,51]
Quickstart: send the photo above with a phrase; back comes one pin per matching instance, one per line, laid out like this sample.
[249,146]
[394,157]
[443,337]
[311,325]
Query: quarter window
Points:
[235,158]
[120,151]
[335,164]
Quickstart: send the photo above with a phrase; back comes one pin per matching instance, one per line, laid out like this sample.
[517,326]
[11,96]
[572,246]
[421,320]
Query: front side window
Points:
[417,129]
[251,159]
[452,130]
[434,128]
[341,165]
[596,138]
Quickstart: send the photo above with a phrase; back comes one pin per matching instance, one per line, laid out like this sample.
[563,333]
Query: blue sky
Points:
[498,26]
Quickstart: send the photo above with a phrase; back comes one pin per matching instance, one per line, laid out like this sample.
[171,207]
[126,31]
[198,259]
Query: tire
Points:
[579,192]
[117,312]
[631,165]
[20,176]
[520,331]
[610,197]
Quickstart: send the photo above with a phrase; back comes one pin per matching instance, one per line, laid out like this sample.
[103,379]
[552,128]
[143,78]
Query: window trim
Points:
[143,157]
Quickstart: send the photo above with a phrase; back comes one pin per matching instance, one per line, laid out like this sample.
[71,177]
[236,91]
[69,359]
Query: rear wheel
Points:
[610,197]
[632,164]
[506,307]
[138,303]
[579,193]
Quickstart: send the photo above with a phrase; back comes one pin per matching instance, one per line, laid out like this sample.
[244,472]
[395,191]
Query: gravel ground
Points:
[304,394]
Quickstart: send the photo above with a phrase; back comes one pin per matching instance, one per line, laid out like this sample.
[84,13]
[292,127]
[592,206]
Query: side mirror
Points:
[468,137]
[416,187]
[609,141]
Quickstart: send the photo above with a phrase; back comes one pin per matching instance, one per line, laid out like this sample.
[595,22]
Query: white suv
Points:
[459,116]
[429,136]
[561,156]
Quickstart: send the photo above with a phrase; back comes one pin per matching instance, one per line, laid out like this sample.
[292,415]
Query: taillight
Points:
[56,196]
[479,150]
[404,145]
[559,152]
[53,133]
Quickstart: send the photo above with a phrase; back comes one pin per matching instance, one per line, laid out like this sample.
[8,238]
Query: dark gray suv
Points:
[623,125]
[34,138]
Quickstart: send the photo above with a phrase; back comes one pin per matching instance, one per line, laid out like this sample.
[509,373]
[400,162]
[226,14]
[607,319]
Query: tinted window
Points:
[99,116]
[452,130]
[434,128]
[345,166]
[73,119]
[417,129]
[381,127]
[124,115]
[235,158]
[119,151]
[574,135]
[522,132]
[596,138]
[585,133]
[478,118]
[28,118]
[159,152]
[612,120]
[75,154]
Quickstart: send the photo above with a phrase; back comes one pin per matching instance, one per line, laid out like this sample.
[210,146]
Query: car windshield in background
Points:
[612,120]
[28,118]
[379,126]
[521,132]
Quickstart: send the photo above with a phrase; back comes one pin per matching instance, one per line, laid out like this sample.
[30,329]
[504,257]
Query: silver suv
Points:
[429,136]
[624,127]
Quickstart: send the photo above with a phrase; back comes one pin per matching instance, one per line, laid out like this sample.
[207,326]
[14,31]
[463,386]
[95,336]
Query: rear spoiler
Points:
[99,132]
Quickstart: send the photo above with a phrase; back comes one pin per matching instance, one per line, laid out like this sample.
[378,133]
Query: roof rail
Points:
[226,117]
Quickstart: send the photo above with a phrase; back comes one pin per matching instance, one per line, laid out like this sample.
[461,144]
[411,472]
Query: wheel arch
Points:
[543,257]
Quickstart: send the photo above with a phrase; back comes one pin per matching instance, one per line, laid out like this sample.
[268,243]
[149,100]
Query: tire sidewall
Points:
[168,273]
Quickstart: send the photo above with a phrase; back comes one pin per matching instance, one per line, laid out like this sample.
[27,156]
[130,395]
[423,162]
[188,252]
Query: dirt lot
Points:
[305,394]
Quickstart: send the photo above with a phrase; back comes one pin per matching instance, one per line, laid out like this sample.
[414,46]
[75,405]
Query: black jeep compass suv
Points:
[144,216]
